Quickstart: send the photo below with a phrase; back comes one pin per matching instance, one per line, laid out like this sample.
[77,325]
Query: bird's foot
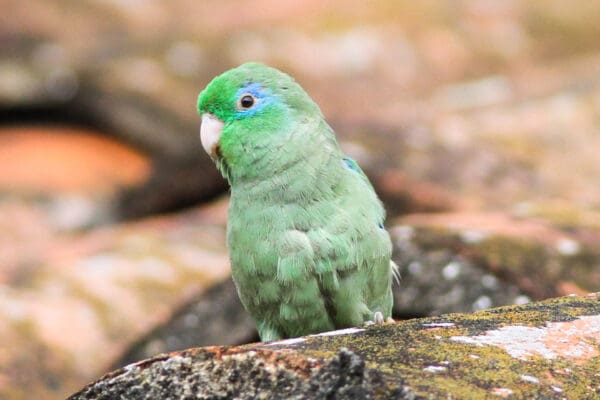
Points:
[379,320]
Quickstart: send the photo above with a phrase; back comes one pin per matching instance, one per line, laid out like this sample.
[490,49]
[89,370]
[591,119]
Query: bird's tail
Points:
[395,272]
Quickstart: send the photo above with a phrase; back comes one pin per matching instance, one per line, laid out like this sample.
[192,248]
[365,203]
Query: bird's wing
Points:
[352,252]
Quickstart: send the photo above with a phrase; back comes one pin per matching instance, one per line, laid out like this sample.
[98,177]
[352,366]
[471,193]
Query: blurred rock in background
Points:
[483,117]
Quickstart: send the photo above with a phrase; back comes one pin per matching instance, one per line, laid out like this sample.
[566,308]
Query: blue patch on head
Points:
[262,95]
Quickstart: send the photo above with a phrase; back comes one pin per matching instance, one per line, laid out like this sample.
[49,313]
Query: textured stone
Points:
[510,350]
[524,142]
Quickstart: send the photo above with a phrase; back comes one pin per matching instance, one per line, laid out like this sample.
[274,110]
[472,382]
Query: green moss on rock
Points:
[517,350]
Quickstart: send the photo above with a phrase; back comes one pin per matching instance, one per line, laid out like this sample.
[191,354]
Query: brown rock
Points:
[543,260]
[47,160]
[77,303]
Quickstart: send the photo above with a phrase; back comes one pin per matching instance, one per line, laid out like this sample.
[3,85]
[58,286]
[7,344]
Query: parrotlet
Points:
[307,244]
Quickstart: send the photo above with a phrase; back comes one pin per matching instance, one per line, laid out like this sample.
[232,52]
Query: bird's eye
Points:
[246,101]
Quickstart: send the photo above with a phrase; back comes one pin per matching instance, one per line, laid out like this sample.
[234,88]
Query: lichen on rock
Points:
[536,350]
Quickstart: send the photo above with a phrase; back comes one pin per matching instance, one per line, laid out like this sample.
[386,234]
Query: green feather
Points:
[307,248]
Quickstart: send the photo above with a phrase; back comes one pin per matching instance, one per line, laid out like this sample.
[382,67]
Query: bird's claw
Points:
[379,320]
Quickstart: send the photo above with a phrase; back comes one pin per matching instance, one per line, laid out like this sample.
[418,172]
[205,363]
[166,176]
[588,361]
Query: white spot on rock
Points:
[286,342]
[482,303]
[435,369]
[130,367]
[438,325]
[415,268]
[530,379]
[347,331]
[472,236]
[522,299]
[502,392]
[489,282]
[403,235]
[477,93]
[571,339]
[451,270]
[72,212]
[568,247]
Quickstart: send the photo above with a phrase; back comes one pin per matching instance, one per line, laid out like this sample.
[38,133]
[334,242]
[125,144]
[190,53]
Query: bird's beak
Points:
[210,132]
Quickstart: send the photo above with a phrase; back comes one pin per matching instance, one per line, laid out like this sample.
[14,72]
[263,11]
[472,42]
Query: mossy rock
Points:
[544,350]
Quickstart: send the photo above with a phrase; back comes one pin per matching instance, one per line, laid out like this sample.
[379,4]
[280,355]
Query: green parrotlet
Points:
[308,249]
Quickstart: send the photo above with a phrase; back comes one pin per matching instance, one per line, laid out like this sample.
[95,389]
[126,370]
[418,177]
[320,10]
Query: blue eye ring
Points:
[246,101]
[252,93]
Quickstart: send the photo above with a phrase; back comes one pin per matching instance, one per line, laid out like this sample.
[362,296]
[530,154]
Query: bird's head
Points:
[246,113]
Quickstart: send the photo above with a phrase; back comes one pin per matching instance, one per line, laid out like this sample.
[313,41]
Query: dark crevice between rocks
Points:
[48,114]
[215,317]
[172,187]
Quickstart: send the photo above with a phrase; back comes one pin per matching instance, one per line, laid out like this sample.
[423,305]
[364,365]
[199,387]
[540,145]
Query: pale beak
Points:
[210,133]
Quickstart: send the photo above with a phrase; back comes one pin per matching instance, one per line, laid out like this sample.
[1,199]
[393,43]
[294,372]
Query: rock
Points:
[405,195]
[437,280]
[78,302]
[426,114]
[215,317]
[182,174]
[518,351]
[463,261]
[241,375]
[49,161]
[525,138]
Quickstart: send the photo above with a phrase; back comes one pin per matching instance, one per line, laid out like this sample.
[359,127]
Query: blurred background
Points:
[478,122]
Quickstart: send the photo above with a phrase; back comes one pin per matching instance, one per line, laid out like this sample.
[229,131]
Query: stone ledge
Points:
[544,349]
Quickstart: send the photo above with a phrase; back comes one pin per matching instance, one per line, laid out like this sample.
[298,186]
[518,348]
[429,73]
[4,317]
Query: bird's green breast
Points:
[292,238]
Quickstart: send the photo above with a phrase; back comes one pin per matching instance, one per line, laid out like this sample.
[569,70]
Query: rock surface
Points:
[465,261]
[537,255]
[493,108]
[71,305]
[215,317]
[540,350]
[486,113]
